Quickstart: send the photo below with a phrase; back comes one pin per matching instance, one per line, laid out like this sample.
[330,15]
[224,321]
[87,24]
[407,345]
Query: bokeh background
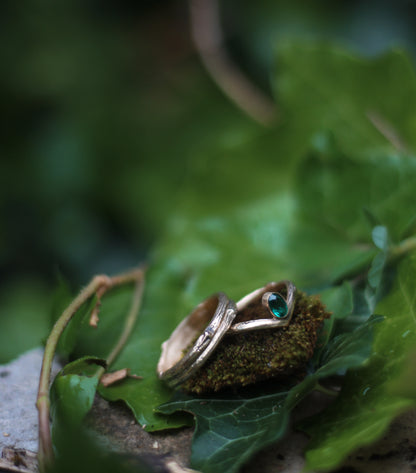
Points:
[106,108]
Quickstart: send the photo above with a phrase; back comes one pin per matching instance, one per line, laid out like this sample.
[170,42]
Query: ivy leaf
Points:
[72,395]
[339,301]
[368,402]
[73,390]
[230,431]
[349,349]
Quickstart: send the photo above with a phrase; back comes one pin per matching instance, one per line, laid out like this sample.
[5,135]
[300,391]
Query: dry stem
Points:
[98,285]
[208,39]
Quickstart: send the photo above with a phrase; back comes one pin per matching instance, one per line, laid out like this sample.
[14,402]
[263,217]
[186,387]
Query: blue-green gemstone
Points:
[277,305]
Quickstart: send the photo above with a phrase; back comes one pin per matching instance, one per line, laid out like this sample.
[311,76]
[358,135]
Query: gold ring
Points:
[195,338]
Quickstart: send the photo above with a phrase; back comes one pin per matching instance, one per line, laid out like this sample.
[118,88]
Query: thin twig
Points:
[387,130]
[403,248]
[129,324]
[208,39]
[45,454]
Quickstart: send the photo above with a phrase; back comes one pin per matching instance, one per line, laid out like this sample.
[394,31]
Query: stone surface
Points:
[119,431]
[18,389]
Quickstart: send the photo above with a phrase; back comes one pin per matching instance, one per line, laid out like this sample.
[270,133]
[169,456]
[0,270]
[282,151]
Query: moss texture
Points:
[243,359]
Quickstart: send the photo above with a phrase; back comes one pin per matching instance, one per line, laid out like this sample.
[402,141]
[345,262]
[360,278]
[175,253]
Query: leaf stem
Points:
[103,283]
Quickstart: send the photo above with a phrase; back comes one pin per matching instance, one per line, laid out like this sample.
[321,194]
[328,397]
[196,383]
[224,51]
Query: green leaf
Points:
[368,402]
[327,88]
[73,391]
[142,396]
[335,189]
[339,301]
[72,395]
[348,350]
[229,431]
[376,270]
[380,237]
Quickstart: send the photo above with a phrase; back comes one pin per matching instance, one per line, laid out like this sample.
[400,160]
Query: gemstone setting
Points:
[277,305]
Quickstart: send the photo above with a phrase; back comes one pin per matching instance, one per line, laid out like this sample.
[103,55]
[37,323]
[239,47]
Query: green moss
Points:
[243,359]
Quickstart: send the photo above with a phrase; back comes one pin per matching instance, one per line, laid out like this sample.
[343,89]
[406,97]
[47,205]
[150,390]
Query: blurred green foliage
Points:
[107,114]
[114,137]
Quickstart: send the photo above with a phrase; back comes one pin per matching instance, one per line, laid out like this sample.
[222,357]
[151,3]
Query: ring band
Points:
[213,317]
[281,308]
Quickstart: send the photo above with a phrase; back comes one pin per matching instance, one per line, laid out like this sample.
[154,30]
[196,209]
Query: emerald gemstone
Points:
[277,305]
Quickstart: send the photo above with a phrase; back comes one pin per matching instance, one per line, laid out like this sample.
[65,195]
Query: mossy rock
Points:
[242,359]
